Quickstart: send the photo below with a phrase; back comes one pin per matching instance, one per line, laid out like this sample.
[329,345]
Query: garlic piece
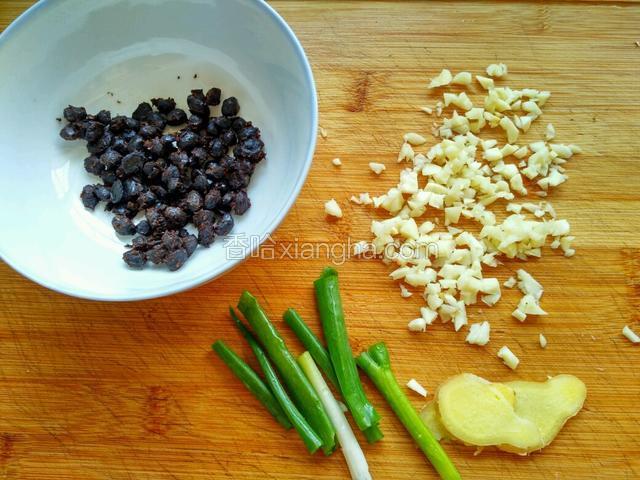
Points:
[630,334]
[509,127]
[408,181]
[416,387]
[417,325]
[497,70]
[485,82]
[462,78]
[508,357]
[443,78]
[404,293]
[529,306]
[521,152]
[377,168]
[529,285]
[406,153]
[427,314]
[460,100]
[414,139]
[478,333]
[543,341]
[332,208]
[362,199]
[550,132]
[452,215]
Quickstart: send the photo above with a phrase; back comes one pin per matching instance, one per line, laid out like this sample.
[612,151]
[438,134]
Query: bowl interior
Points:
[112,55]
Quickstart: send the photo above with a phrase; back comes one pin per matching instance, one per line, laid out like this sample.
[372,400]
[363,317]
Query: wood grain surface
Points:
[131,391]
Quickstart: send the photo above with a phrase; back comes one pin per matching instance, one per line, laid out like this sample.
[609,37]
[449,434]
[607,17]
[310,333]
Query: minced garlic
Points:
[461,178]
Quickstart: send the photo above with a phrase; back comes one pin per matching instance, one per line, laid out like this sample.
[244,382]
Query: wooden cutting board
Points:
[131,391]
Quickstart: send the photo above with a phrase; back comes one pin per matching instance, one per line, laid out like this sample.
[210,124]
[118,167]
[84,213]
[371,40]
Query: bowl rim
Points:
[208,276]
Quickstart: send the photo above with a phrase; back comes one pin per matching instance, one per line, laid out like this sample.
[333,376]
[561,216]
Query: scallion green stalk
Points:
[312,343]
[376,364]
[303,394]
[309,437]
[252,381]
[335,334]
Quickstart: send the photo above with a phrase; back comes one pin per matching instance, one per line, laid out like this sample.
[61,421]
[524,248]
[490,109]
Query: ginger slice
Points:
[431,418]
[477,412]
[518,417]
[549,404]
[430,414]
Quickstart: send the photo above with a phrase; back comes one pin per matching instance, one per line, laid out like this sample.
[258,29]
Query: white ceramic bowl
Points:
[112,54]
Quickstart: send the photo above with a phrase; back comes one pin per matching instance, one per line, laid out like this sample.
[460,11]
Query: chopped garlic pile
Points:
[464,178]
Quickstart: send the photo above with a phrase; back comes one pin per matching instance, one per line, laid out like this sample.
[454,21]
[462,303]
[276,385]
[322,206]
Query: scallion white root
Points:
[351,450]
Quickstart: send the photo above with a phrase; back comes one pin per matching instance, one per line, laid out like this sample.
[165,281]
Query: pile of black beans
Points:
[197,175]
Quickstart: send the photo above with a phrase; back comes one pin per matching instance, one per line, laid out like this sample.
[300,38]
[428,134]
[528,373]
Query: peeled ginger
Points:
[518,417]
[549,404]
[431,418]
[476,412]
